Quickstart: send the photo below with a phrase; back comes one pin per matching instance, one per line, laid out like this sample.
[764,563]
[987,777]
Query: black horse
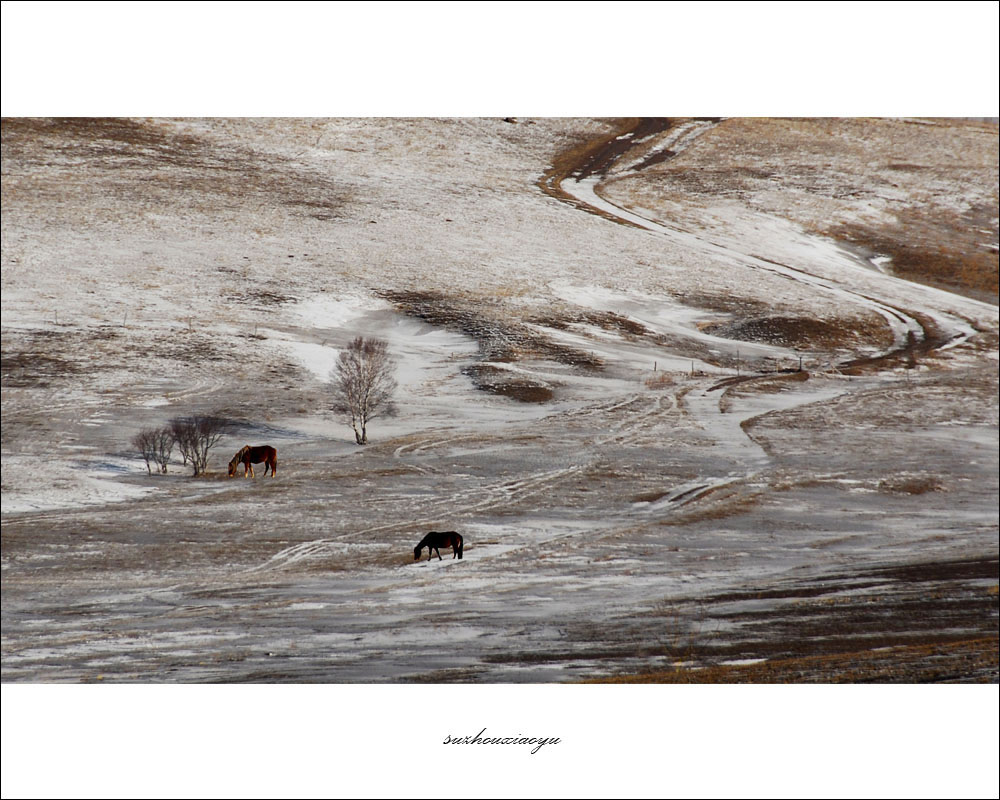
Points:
[435,539]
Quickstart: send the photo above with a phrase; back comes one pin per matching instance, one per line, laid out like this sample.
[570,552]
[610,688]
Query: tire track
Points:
[505,492]
[906,328]
[579,183]
[575,180]
[913,333]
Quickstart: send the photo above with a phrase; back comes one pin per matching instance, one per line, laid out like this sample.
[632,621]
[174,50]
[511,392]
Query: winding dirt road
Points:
[577,180]
[579,183]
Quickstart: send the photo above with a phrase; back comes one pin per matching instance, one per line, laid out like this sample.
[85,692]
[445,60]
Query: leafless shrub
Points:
[155,446]
[196,436]
[362,384]
[163,445]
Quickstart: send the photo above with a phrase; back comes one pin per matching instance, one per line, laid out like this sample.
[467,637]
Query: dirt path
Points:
[900,612]
[577,176]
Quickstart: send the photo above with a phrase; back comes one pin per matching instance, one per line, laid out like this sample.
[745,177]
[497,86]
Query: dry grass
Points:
[650,497]
[805,333]
[717,503]
[496,380]
[925,195]
[502,338]
[907,664]
[661,380]
[494,326]
[910,484]
[606,320]
[145,163]
[955,250]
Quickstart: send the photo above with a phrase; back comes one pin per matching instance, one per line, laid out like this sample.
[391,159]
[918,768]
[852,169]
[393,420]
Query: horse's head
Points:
[237,459]
[416,553]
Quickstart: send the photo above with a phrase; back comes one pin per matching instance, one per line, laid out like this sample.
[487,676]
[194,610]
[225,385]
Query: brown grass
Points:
[806,333]
[910,485]
[925,195]
[719,502]
[921,663]
[149,162]
[493,326]
[649,497]
[940,250]
[661,380]
[606,320]
[502,382]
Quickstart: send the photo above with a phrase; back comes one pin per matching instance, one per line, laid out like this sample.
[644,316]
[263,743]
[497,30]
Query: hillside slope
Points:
[669,378]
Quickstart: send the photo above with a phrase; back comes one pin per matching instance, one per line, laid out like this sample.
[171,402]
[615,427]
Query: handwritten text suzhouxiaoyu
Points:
[519,739]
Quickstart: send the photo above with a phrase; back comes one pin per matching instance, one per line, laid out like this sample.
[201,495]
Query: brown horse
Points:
[435,539]
[248,456]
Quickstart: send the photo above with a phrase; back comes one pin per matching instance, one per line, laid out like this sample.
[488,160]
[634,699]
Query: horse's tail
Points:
[461,544]
[274,463]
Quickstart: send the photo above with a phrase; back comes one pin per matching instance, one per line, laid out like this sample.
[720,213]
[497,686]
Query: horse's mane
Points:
[239,454]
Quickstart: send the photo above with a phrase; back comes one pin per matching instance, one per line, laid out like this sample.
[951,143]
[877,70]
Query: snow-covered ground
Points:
[154,269]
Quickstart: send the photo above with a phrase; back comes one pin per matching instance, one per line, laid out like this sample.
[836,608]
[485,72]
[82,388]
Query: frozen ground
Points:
[599,387]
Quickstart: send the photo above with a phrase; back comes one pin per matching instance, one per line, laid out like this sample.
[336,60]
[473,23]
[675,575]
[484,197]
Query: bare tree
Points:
[143,441]
[195,436]
[163,445]
[182,429]
[362,383]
